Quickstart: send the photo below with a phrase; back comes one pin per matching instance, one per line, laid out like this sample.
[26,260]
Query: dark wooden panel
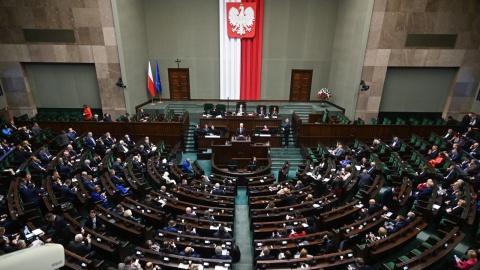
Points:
[249,122]
[169,131]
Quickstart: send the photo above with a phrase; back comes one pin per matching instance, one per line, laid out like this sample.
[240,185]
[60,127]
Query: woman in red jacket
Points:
[438,160]
[472,260]
[87,113]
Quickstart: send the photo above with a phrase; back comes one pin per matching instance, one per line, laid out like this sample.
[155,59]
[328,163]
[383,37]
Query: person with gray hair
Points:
[219,254]
[79,247]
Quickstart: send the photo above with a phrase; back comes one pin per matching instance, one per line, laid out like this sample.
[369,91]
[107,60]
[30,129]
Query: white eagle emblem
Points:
[241,20]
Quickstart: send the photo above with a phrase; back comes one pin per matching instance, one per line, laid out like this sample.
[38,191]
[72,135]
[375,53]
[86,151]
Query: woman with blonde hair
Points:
[470,262]
[304,254]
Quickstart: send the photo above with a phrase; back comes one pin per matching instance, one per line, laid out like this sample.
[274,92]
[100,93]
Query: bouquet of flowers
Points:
[324,94]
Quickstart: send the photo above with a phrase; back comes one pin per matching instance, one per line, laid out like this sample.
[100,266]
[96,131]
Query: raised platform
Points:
[195,108]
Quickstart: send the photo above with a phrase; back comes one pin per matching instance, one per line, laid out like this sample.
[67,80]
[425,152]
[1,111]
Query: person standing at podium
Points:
[286,132]
[241,130]
[252,164]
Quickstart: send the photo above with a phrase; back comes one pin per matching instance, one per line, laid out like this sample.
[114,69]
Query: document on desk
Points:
[37,231]
[186,266]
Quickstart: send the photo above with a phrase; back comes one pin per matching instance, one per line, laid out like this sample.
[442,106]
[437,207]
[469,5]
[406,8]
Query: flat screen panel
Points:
[63,85]
[416,89]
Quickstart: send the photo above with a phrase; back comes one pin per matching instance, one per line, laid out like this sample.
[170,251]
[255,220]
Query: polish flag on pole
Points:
[151,87]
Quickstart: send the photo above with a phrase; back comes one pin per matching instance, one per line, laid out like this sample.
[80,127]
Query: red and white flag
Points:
[151,86]
[241,35]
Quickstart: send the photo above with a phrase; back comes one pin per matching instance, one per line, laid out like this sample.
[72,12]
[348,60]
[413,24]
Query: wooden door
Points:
[179,83]
[301,84]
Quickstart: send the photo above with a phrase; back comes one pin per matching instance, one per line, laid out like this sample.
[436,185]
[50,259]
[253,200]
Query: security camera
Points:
[120,83]
[364,86]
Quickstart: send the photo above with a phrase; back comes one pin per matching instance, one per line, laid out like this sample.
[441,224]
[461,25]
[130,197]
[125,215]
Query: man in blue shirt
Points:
[187,166]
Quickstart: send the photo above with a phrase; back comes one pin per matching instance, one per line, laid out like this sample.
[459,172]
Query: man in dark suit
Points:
[61,233]
[128,141]
[44,156]
[464,124]
[373,208]
[93,222]
[189,213]
[241,130]
[396,224]
[265,255]
[371,170]
[432,153]
[79,247]
[118,167]
[455,156]
[115,178]
[30,193]
[218,254]
[36,165]
[329,244]
[286,131]
[451,175]
[216,112]
[261,111]
[449,134]
[170,227]
[364,179]
[90,142]
[396,144]
[69,193]
[389,200]
[457,210]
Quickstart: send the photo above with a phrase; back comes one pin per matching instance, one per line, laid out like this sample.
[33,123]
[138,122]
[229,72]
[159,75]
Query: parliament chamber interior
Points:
[253,134]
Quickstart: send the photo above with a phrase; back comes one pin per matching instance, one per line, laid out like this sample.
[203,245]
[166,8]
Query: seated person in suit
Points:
[261,111]
[218,190]
[222,233]
[219,255]
[189,230]
[189,252]
[359,265]
[206,216]
[394,225]
[372,209]
[216,112]
[457,210]
[382,233]
[396,144]
[169,247]
[329,244]
[189,213]
[171,227]
[264,255]
[205,130]
[93,222]
[79,247]
[214,131]
[241,110]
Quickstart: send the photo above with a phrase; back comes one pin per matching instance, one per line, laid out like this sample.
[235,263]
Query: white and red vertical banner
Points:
[241,35]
